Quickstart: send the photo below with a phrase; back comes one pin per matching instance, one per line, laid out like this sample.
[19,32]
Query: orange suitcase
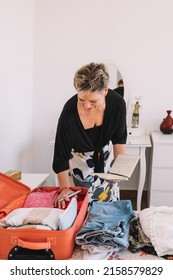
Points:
[34,243]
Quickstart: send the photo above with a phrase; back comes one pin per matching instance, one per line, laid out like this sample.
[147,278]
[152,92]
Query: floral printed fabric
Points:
[82,165]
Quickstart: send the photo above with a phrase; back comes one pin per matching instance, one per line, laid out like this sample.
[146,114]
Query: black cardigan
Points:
[72,135]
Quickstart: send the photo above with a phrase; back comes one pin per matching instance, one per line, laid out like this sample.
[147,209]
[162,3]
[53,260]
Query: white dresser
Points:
[161,176]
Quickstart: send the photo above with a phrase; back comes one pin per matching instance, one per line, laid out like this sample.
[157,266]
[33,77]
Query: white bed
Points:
[121,255]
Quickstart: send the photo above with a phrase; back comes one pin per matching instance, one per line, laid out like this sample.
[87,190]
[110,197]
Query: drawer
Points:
[163,156]
[162,179]
[161,198]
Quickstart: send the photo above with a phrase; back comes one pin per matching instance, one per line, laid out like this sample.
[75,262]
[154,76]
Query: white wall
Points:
[16,84]
[133,35]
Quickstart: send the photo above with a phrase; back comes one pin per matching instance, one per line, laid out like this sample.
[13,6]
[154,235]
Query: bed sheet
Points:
[121,255]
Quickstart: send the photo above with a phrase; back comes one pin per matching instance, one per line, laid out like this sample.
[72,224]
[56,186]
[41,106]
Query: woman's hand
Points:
[60,199]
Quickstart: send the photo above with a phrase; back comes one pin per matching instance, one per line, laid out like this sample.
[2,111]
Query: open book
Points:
[121,169]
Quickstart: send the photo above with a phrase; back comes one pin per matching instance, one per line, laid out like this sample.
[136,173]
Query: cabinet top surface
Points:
[33,180]
[139,141]
[159,137]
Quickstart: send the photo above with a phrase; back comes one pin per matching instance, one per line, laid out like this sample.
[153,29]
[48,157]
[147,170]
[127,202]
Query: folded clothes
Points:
[43,197]
[107,224]
[28,226]
[40,198]
[23,216]
[92,252]
[53,218]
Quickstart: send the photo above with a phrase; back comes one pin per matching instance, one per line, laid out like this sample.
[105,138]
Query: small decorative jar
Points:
[166,125]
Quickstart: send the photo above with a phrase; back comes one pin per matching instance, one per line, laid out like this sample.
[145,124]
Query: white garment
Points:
[52,218]
[157,224]
[92,252]
[35,216]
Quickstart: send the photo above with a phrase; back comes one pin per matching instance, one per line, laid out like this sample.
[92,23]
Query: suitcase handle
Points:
[34,245]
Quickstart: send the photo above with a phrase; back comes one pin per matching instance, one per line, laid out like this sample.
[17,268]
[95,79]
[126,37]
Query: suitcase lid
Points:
[11,190]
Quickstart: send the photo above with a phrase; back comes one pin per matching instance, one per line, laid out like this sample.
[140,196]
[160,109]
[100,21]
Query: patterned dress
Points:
[82,165]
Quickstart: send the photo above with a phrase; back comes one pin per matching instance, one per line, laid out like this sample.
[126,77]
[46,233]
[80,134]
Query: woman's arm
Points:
[65,184]
[64,179]
[119,149]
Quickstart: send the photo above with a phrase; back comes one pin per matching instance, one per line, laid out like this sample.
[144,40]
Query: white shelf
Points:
[159,137]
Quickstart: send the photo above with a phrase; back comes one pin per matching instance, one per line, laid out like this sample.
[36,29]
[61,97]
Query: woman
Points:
[91,133]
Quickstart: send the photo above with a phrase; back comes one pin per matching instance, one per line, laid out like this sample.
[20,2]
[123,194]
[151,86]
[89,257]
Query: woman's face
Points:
[92,101]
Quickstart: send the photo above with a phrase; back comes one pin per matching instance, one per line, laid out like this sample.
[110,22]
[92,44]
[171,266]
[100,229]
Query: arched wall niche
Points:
[116,74]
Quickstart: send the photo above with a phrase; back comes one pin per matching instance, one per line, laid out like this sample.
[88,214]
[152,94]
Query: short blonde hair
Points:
[91,77]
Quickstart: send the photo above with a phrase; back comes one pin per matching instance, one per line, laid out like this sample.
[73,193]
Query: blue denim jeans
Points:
[107,224]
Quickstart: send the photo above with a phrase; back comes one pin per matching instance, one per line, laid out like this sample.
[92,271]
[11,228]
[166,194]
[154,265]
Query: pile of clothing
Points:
[106,229]
[152,231]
